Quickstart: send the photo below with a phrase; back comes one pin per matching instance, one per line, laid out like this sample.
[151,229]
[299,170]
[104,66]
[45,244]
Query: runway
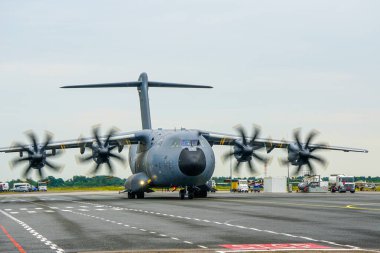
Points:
[224,222]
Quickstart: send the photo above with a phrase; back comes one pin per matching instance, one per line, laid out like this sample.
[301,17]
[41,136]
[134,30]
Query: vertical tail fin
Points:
[142,86]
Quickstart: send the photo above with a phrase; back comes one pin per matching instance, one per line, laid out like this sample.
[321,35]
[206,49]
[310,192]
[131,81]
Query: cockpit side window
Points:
[185,143]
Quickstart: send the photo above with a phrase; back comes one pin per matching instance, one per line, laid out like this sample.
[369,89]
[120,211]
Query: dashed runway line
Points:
[70,210]
[33,232]
[227,224]
[136,228]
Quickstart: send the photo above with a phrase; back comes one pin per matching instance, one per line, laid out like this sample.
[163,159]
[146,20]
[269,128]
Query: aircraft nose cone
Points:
[192,163]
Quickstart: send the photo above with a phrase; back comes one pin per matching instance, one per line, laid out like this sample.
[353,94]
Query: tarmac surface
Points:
[224,222]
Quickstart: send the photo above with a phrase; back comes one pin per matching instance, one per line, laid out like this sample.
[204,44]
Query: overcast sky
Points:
[278,64]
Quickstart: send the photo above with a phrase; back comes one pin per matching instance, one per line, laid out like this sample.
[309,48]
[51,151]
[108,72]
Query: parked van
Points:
[22,187]
[4,187]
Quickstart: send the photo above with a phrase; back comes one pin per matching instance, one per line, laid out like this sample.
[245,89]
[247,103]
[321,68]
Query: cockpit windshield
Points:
[189,143]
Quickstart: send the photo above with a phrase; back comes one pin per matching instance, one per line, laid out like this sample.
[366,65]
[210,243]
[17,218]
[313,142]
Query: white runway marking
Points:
[35,233]
[126,225]
[229,225]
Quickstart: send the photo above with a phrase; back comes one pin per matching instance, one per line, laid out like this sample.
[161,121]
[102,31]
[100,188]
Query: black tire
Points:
[140,195]
[352,191]
[182,194]
[131,195]
[190,195]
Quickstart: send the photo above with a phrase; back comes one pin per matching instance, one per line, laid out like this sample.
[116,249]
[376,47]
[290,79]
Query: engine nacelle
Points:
[293,153]
[137,183]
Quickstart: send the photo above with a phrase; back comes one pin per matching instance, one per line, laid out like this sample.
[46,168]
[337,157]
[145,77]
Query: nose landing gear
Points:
[193,192]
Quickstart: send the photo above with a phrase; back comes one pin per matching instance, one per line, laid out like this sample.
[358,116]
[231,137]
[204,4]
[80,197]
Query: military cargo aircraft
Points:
[182,158]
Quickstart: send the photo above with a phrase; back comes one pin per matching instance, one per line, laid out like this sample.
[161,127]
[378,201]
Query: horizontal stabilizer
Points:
[106,85]
[137,84]
[176,85]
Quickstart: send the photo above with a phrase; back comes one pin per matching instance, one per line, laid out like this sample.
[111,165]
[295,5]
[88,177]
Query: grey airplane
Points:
[178,158]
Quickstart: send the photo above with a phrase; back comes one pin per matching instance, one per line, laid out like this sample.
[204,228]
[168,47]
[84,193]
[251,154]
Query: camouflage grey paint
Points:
[156,162]
[144,101]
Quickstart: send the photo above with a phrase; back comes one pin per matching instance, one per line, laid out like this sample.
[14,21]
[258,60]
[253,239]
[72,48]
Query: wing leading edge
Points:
[268,144]
[120,140]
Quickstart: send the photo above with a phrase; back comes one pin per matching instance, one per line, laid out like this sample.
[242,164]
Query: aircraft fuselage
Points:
[173,158]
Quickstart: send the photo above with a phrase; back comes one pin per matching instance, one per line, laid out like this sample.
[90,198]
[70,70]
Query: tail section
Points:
[142,86]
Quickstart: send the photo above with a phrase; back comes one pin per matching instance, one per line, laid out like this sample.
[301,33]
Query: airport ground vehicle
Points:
[211,185]
[341,183]
[22,187]
[239,185]
[313,183]
[363,186]
[42,186]
[4,187]
[256,187]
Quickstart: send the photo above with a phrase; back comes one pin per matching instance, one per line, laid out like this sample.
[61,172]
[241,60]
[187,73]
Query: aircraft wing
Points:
[119,139]
[268,144]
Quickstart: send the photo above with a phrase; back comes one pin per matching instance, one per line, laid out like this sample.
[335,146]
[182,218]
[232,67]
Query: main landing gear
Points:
[193,192]
[132,195]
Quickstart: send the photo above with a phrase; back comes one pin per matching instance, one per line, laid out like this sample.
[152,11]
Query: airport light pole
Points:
[230,170]
[287,185]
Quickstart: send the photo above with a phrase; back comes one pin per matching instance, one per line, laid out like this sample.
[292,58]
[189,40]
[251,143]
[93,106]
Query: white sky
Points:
[278,64]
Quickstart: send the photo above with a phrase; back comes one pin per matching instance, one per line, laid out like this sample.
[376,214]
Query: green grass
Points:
[76,188]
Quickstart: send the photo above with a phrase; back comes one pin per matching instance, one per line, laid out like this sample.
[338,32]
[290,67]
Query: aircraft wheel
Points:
[182,194]
[140,195]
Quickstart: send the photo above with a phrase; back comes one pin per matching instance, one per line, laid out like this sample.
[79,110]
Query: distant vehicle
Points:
[313,183]
[363,185]
[211,185]
[256,187]
[42,186]
[341,183]
[4,187]
[22,187]
[239,185]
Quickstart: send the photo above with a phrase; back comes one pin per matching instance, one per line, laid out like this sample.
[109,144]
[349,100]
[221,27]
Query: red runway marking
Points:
[15,243]
[274,246]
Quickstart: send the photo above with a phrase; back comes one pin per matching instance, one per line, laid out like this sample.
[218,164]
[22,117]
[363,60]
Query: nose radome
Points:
[192,163]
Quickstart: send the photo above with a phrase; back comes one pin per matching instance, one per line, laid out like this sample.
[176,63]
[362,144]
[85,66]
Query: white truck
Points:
[22,187]
[243,186]
[42,186]
[341,183]
[4,187]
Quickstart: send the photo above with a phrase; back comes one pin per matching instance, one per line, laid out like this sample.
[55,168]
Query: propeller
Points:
[37,156]
[301,154]
[101,152]
[244,150]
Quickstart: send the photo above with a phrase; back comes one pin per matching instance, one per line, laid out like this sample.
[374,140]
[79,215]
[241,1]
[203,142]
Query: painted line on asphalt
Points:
[353,207]
[111,221]
[33,232]
[140,229]
[15,243]
[226,224]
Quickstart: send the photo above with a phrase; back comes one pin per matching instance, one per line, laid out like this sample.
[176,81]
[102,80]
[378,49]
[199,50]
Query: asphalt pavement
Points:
[223,222]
